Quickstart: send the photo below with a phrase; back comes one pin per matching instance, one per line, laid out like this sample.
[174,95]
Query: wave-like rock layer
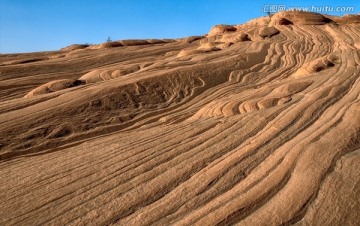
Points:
[252,124]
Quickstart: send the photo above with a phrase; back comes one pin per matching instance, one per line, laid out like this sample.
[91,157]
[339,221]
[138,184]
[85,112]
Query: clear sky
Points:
[38,25]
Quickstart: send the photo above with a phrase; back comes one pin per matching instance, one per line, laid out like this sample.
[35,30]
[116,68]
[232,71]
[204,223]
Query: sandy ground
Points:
[253,124]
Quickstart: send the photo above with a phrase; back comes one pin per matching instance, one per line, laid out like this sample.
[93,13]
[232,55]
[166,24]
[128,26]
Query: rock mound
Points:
[99,75]
[316,66]
[192,39]
[220,29]
[155,41]
[189,52]
[54,86]
[268,32]
[108,45]
[298,18]
[346,19]
[210,46]
[235,37]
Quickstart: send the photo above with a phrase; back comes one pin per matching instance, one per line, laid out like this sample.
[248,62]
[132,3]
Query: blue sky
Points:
[39,25]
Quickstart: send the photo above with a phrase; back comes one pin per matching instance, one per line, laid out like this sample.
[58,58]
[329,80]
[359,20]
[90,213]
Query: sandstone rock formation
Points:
[252,124]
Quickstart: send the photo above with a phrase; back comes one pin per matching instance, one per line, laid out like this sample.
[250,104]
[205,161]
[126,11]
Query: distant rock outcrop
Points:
[74,47]
[134,42]
[107,45]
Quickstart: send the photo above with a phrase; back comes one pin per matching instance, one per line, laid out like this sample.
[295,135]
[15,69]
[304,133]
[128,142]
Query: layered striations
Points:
[253,124]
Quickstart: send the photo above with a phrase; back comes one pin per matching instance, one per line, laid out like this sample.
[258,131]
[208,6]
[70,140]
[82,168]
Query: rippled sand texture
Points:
[254,124]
